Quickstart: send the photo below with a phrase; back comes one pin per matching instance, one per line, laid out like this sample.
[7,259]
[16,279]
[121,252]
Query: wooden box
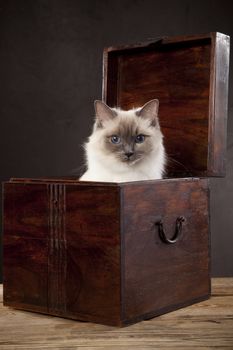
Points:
[120,253]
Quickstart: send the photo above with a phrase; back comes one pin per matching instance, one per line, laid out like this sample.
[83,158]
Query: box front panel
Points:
[159,276]
[62,249]
[25,246]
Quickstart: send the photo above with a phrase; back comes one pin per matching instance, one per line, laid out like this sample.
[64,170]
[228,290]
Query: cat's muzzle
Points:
[129,155]
[129,158]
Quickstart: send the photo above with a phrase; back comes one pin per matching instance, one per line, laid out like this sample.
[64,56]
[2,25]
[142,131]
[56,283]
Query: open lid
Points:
[189,76]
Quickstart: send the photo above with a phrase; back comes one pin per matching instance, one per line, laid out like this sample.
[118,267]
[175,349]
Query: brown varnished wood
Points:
[218,102]
[157,275]
[62,249]
[25,249]
[91,252]
[93,246]
[156,40]
[25,210]
[58,180]
[189,75]
[25,273]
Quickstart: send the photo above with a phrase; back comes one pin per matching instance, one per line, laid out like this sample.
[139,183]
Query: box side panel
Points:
[93,253]
[158,276]
[25,249]
[218,104]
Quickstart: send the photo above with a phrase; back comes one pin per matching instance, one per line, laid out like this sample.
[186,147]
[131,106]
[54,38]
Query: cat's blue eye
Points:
[140,138]
[115,139]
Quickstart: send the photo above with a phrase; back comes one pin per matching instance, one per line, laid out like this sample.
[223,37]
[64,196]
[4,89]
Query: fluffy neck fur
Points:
[106,163]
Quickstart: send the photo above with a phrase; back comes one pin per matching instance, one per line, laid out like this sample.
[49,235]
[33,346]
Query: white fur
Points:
[105,167]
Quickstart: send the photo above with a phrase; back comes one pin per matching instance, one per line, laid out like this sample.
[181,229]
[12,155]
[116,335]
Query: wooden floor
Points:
[207,325]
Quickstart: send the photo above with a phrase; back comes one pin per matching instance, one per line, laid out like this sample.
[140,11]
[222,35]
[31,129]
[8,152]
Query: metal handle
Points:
[174,239]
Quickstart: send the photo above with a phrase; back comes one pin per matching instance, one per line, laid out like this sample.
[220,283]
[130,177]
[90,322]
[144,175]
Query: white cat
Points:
[125,145]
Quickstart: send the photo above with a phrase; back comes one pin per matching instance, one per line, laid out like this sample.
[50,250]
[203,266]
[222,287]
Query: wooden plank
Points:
[164,39]
[202,326]
[218,104]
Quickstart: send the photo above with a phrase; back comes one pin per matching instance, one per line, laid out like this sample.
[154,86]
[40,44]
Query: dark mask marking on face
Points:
[128,150]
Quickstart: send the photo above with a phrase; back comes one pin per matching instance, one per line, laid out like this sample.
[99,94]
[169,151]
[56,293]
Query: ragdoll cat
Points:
[125,145]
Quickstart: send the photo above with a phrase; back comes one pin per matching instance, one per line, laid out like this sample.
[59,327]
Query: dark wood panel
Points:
[219,103]
[93,252]
[59,180]
[180,80]
[26,246]
[62,246]
[159,275]
[26,210]
[25,273]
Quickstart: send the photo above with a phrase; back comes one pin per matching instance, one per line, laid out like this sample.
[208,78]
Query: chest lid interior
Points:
[189,76]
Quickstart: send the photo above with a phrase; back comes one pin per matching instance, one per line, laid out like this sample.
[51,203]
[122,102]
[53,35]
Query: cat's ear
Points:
[103,112]
[150,111]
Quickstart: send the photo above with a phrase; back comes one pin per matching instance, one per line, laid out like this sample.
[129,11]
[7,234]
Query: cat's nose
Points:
[129,154]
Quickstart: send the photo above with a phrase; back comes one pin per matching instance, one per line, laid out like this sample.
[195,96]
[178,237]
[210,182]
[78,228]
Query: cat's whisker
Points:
[172,160]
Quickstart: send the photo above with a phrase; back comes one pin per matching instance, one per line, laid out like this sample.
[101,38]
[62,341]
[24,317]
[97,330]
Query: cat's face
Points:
[127,137]
[128,140]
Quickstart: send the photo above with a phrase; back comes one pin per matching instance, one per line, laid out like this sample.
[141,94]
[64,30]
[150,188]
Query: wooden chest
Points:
[120,253]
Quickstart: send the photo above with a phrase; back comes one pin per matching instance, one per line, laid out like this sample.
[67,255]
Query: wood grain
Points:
[207,325]
[158,277]
[62,249]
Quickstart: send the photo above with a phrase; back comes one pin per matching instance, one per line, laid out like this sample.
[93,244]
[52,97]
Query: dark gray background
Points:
[51,71]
